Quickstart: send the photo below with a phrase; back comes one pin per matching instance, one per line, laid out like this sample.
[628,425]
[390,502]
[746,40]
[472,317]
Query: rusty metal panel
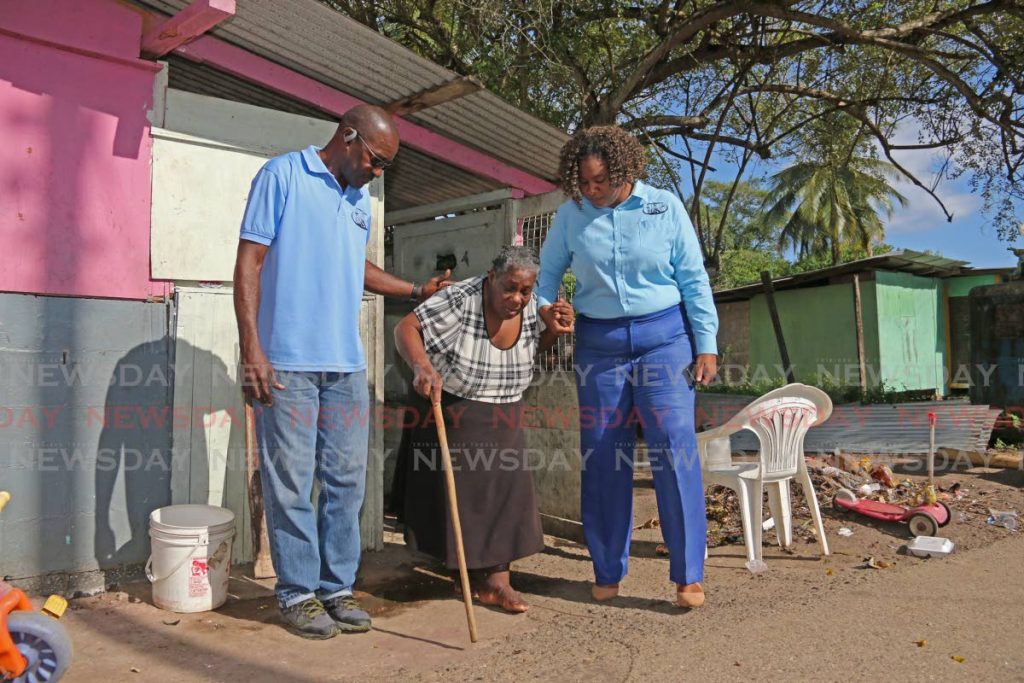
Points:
[900,428]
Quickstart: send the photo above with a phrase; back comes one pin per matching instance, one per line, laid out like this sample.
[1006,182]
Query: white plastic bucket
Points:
[191,556]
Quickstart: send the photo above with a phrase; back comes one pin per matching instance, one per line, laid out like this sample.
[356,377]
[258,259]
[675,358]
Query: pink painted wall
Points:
[75,159]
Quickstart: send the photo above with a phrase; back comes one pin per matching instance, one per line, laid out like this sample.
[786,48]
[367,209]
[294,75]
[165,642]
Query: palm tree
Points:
[821,205]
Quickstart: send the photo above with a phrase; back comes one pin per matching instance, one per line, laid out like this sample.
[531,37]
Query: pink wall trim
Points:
[75,167]
[101,26]
[244,64]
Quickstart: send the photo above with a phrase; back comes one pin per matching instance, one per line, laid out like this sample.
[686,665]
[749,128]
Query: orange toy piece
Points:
[33,645]
[12,663]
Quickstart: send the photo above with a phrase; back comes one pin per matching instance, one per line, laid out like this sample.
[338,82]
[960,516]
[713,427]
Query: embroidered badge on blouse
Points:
[360,218]
[654,208]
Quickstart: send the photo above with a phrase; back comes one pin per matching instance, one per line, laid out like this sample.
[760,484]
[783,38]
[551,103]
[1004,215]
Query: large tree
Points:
[740,80]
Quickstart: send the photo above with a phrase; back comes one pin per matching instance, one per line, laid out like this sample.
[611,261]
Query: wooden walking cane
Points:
[453,508]
[262,565]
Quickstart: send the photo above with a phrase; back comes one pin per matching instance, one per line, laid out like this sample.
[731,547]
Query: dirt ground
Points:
[806,618]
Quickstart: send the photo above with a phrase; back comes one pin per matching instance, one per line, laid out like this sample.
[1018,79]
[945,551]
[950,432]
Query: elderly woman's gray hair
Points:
[512,257]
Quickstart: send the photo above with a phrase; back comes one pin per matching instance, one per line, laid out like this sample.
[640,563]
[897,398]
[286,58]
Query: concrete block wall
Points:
[85,436]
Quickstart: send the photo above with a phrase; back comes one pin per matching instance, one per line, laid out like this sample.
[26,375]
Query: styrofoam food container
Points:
[930,546]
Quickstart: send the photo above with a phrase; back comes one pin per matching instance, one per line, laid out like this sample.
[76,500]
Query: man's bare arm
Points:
[257,373]
[378,281]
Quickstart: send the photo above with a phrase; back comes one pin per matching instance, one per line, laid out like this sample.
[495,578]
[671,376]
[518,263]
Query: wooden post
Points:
[262,565]
[769,293]
[859,320]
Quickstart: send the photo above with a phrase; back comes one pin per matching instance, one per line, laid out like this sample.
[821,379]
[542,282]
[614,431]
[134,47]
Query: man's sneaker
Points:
[309,619]
[347,614]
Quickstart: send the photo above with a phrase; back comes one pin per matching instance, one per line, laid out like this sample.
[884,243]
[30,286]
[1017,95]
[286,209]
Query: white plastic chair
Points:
[780,419]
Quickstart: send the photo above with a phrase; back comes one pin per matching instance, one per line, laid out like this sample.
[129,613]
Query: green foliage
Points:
[569,286]
[847,253]
[743,266]
[754,80]
[839,393]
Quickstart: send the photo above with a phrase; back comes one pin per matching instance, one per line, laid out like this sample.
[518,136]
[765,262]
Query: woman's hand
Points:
[558,317]
[427,382]
[705,369]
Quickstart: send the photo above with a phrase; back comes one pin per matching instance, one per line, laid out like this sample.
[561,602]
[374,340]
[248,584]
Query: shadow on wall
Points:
[149,446]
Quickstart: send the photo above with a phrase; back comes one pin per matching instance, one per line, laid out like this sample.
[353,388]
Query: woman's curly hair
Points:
[622,152]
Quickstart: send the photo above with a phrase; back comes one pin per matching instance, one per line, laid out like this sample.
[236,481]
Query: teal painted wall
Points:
[818,325]
[963,284]
[912,331]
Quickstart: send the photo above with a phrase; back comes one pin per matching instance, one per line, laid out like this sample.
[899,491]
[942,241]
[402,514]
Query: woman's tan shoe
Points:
[602,593]
[690,595]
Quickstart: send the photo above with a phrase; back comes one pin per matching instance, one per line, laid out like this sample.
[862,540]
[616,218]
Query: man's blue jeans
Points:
[317,427]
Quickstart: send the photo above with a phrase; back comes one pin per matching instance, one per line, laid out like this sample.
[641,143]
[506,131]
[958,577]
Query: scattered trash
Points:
[652,523]
[135,670]
[717,513]
[661,549]
[930,546]
[920,643]
[829,572]
[172,623]
[768,524]
[929,495]
[756,567]
[868,483]
[1004,518]
[872,563]
[882,474]
[958,659]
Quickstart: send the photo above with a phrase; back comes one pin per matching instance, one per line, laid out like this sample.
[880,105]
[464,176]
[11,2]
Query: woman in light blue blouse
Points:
[645,334]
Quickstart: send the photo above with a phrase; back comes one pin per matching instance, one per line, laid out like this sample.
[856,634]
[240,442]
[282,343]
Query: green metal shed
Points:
[914,317]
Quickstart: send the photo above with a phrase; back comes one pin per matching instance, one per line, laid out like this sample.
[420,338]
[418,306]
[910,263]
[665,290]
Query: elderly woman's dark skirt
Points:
[495,490]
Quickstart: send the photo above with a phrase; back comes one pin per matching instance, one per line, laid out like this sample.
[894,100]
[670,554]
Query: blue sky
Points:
[921,225]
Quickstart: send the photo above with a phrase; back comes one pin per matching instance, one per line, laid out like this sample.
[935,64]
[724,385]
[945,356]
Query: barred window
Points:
[559,356]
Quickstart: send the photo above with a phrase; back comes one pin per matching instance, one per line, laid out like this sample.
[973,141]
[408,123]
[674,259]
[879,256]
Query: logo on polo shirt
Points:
[654,208]
[360,218]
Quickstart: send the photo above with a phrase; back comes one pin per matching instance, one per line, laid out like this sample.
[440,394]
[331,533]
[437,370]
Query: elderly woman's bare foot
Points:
[504,597]
[496,590]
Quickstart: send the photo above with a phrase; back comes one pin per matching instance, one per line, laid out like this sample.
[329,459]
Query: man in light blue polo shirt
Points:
[300,273]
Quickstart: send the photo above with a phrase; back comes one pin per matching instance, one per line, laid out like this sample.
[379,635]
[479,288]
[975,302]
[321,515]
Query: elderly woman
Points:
[646,332]
[472,347]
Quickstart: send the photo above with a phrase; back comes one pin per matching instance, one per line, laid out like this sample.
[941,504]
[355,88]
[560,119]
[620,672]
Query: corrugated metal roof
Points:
[905,261]
[325,45]
[895,429]
[415,179]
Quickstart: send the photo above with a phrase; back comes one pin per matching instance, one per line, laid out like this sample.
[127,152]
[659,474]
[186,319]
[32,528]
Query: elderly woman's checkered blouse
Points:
[455,338]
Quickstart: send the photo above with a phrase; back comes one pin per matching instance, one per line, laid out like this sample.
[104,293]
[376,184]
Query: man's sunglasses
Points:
[376,160]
